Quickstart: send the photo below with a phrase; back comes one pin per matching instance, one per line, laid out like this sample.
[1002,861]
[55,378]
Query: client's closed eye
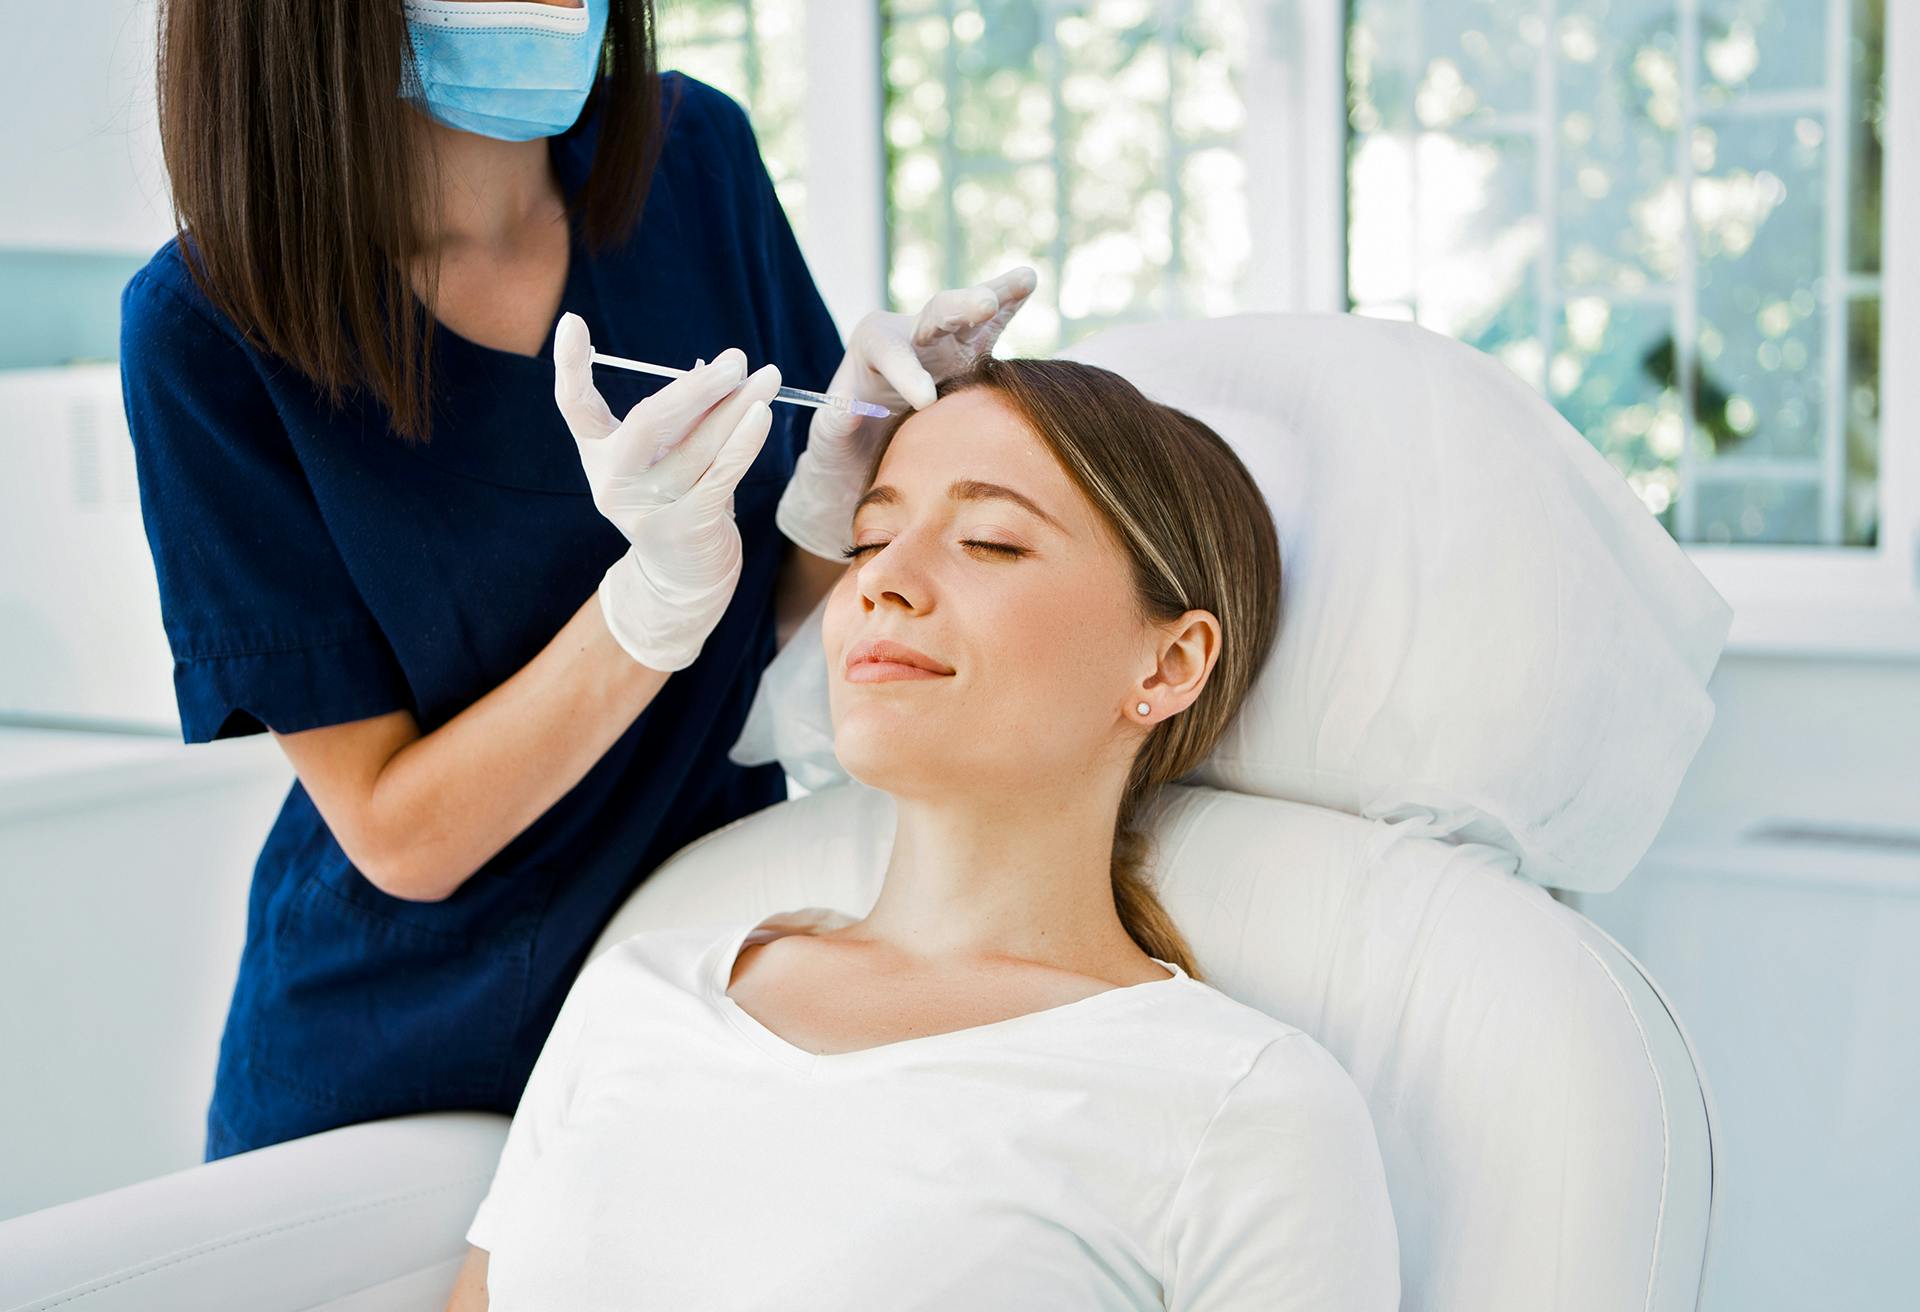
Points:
[1001,547]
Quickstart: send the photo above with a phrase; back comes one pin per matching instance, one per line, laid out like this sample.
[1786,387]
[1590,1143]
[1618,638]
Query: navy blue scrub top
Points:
[316,569]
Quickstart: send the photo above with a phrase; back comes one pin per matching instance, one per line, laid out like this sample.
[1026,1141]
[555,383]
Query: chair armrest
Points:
[366,1216]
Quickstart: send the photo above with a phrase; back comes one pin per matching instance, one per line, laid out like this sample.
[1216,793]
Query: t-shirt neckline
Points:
[727,951]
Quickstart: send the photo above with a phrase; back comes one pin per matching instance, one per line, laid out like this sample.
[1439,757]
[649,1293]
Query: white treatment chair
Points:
[1490,676]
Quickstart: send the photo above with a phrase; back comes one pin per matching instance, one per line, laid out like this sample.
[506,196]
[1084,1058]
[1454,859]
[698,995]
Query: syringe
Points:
[794,395]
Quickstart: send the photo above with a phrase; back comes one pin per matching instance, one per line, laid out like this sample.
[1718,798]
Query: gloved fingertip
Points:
[572,344]
[730,364]
[766,376]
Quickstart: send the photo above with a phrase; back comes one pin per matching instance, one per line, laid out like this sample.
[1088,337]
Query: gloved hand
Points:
[894,360]
[665,476]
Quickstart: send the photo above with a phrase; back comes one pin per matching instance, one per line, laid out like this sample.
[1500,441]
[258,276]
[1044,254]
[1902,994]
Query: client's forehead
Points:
[967,434]
[974,436]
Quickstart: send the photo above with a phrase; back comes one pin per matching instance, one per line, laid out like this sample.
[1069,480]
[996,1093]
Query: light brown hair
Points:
[298,176]
[1198,535]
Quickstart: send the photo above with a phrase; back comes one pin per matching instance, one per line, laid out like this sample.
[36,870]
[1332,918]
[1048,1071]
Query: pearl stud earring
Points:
[1144,709]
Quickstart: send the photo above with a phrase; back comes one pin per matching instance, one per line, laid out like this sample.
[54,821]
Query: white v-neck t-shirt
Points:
[1157,1145]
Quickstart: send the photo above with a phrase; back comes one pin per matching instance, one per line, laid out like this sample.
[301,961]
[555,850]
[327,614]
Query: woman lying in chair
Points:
[1006,1086]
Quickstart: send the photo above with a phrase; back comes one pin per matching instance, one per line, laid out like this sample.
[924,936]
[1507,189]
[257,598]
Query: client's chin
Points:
[900,744]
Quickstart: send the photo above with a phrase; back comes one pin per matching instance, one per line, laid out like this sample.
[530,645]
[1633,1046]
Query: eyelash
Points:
[998,547]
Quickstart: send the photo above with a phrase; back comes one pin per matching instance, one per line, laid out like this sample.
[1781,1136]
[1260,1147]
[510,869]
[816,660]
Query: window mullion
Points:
[1686,307]
[1545,191]
[1834,413]
[950,217]
[1169,14]
[1057,107]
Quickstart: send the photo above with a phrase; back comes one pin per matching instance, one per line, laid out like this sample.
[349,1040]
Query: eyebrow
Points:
[961,489]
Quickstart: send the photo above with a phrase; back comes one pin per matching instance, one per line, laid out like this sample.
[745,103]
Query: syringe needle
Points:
[791,395]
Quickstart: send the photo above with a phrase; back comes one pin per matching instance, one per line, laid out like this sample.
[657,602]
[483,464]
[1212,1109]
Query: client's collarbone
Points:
[826,1005]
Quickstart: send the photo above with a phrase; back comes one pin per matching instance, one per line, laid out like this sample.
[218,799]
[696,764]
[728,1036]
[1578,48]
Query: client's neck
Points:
[975,878]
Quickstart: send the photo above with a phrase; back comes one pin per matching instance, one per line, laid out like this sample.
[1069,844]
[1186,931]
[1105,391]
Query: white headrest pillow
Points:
[1483,628]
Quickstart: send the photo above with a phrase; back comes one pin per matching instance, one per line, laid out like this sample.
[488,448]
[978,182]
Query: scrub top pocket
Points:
[370,1006]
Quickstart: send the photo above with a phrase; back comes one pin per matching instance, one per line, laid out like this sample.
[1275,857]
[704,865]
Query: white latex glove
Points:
[665,476]
[894,360]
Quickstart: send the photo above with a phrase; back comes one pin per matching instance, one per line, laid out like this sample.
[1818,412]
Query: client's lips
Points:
[879,651]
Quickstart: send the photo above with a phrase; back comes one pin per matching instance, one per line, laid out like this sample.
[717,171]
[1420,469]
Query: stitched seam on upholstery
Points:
[1166,1221]
[202,1250]
[1666,1145]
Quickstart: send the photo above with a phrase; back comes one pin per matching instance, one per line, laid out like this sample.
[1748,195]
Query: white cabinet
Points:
[124,869]
[1792,953]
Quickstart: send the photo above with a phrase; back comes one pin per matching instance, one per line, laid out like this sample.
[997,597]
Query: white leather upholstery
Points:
[369,1218]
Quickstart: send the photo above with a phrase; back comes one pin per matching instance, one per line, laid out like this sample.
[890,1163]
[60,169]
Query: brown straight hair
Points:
[1197,534]
[299,173]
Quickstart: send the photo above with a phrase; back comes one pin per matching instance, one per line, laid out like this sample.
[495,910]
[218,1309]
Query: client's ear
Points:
[1184,655]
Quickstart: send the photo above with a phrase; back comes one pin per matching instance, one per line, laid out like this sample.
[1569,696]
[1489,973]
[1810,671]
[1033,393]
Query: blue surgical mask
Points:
[514,71]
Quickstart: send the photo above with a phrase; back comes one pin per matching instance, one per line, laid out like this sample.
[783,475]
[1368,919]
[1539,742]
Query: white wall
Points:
[80,159]
[1832,738]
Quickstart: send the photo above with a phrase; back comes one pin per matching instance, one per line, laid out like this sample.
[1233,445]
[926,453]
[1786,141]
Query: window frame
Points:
[845,237]
[1821,601]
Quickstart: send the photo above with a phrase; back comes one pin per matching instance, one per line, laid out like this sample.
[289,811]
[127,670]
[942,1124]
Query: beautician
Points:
[504,651]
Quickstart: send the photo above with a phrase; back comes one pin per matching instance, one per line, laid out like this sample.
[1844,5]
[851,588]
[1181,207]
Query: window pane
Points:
[1756,510]
[1760,45]
[1869,135]
[1612,377]
[1617,176]
[1097,142]
[680,22]
[1863,423]
[1701,193]
[1477,247]
[1480,57]
[744,47]
[1758,213]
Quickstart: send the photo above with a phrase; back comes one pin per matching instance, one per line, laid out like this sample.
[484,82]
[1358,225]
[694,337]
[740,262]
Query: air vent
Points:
[1854,838]
[100,452]
[83,447]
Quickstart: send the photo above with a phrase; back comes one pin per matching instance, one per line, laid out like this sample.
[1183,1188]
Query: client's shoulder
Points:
[1244,1026]
[1239,1043]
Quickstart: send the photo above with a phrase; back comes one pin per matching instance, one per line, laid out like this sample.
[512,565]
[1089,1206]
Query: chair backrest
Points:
[1544,1125]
